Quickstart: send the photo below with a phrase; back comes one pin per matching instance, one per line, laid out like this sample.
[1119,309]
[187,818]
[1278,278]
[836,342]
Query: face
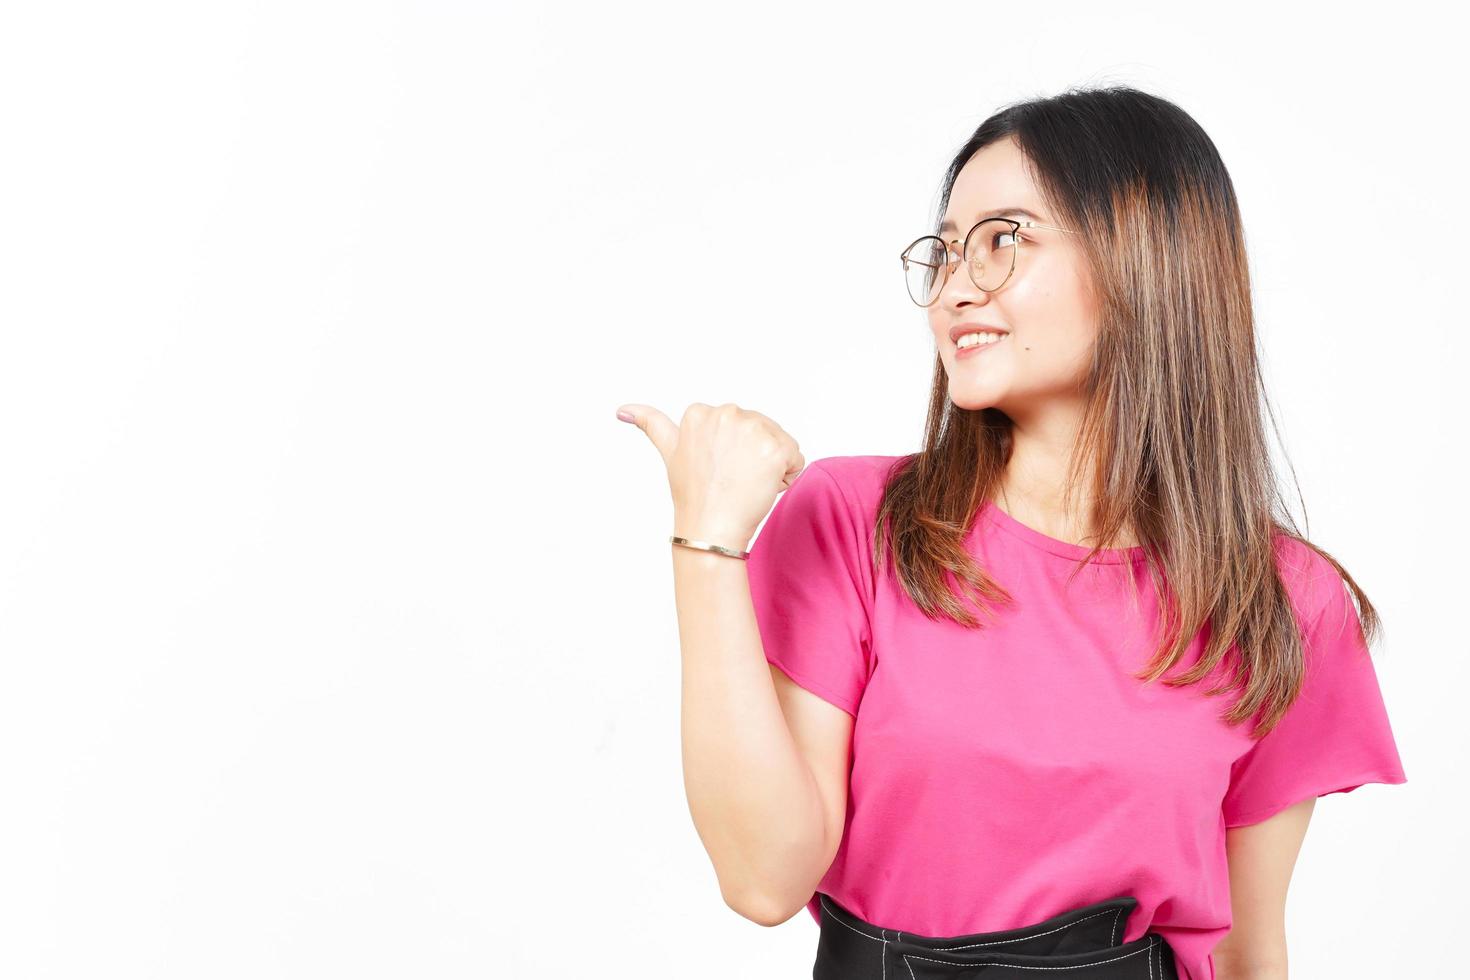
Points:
[1045,312]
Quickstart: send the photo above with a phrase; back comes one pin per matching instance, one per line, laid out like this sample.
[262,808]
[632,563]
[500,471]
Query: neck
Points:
[1033,487]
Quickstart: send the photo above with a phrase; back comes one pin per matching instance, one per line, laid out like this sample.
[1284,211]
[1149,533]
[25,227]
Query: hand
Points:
[726,465]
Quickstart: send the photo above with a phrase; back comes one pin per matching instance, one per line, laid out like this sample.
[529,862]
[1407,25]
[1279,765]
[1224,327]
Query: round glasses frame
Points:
[949,250]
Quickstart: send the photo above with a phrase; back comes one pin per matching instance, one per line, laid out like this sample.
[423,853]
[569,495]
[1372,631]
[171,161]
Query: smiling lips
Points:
[961,329]
[972,342]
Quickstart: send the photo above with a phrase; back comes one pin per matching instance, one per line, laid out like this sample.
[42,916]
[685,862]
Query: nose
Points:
[958,286]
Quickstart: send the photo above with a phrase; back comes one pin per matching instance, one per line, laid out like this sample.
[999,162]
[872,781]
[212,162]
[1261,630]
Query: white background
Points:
[336,610]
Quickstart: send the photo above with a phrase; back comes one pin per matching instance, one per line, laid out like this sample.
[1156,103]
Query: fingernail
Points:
[625,416]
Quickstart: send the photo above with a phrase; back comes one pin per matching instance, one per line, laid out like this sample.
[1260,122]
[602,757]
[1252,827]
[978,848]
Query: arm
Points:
[756,804]
[1261,856]
[758,808]
[823,733]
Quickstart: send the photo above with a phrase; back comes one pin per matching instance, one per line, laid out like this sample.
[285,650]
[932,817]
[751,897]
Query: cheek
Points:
[937,324]
[1056,315]
[1054,337]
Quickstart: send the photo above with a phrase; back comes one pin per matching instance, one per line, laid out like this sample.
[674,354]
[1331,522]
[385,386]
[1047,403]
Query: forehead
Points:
[994,183]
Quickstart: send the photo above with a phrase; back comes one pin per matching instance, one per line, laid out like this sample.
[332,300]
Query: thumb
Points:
[659,428]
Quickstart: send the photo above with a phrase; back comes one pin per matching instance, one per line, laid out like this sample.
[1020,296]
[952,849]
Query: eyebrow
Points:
[997,213]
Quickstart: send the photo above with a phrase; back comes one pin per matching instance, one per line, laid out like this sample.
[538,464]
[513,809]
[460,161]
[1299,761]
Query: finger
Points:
[659,428]
[793,470]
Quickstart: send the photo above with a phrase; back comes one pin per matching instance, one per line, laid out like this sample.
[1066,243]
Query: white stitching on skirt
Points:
[998,942]
[1017,966]
[1018,939]
[823,899]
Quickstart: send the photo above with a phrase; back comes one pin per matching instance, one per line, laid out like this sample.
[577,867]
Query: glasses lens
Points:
[990,252]
[923,269]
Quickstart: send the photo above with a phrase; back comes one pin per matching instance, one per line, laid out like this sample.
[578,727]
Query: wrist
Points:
[726,537]
[692,556]
[682,543]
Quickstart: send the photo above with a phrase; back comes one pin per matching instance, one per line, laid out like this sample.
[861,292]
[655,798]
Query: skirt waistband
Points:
[1083,942]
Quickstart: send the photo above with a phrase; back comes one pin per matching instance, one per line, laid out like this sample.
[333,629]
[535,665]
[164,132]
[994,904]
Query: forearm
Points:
[754,801]
[1228,968]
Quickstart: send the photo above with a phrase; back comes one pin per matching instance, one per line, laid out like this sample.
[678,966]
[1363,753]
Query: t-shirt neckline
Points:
[1064,549]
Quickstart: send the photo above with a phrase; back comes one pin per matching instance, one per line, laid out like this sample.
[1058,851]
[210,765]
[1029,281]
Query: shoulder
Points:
[858,479]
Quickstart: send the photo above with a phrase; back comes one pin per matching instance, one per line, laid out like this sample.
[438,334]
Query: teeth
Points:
[975,339]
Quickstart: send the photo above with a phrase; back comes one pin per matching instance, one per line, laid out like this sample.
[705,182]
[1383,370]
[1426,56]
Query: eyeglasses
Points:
[926,262]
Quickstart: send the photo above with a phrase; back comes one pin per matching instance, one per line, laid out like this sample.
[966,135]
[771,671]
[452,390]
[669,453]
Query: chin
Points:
[973,401]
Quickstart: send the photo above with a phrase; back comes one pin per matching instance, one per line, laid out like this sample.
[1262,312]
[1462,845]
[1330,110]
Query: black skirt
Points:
[1079,944]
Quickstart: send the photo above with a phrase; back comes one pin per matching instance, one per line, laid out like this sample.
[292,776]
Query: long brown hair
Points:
[1173,431]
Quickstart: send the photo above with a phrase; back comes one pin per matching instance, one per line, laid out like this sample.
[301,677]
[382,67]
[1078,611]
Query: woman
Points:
[1059,690]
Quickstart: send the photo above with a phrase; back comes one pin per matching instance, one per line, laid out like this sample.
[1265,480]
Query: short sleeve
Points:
[1334,738]
[811,584]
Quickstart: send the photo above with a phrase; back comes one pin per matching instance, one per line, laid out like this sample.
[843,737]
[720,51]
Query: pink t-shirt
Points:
[1003,775]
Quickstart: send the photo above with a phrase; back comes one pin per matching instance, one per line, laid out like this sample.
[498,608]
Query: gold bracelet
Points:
[706,546]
